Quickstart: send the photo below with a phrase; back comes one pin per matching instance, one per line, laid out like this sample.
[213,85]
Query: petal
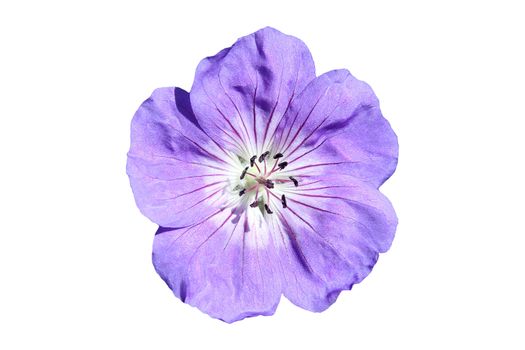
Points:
[225,266]
[176,171]
[334,230]
[336,120]
[241,94]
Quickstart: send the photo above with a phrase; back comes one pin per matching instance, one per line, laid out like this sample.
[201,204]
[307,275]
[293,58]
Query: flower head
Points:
[264,180]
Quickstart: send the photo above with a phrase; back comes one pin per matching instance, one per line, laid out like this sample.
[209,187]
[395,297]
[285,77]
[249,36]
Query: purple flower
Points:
[264,180]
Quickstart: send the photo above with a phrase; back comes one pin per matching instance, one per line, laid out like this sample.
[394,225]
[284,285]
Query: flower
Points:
[264,180]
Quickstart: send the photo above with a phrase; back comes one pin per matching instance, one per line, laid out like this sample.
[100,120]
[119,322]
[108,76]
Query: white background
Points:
[75,253]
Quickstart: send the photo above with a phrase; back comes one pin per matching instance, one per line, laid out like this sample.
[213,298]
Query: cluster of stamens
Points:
[263,180]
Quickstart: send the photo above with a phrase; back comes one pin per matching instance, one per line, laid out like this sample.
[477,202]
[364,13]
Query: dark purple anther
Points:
[282,165]
[263,156]
[243,174]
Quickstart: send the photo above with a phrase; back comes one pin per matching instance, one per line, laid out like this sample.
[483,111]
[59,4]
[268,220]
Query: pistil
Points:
[269,184]
[263,179]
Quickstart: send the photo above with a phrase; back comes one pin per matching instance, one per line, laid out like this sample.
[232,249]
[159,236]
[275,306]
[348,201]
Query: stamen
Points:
[283,201]
[263,156]
[278,155]
[254,204]
[282,165]
[243,191]
[295,182]
[252,160]
[268,209]
[243,174]
[269,184]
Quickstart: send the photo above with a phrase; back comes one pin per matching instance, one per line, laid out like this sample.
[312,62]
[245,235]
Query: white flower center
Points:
[261,181]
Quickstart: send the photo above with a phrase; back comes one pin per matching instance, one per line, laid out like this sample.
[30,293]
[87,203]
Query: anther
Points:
[252,160]
[282,165]
[243,191]
[283,201]
[269,184]
[254,204]
[268,209]
[295,182]
[243,174]
[278,155]
[262,156]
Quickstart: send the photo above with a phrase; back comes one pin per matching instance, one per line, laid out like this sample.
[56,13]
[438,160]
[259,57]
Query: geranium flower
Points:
[264,180]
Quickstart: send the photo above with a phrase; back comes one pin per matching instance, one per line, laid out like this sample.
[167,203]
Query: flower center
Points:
[263,179]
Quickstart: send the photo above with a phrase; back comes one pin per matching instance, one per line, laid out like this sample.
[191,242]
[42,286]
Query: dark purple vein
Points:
[292,236]
[194,226]
[231,234]
[272,138]
[200,201]
[254,112]
[206,240]
[316,165]
[273,109]
[240,147]
[311,133]
[195,190]
[222,114]
[336,251]
[307,152]
[183,161]
[234,106]
[302,125]
[199,146]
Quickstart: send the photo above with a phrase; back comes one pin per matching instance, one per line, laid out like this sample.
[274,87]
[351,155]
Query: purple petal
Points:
[334,230]
[224,266]
[175,169]
[241,94]
[336,120]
